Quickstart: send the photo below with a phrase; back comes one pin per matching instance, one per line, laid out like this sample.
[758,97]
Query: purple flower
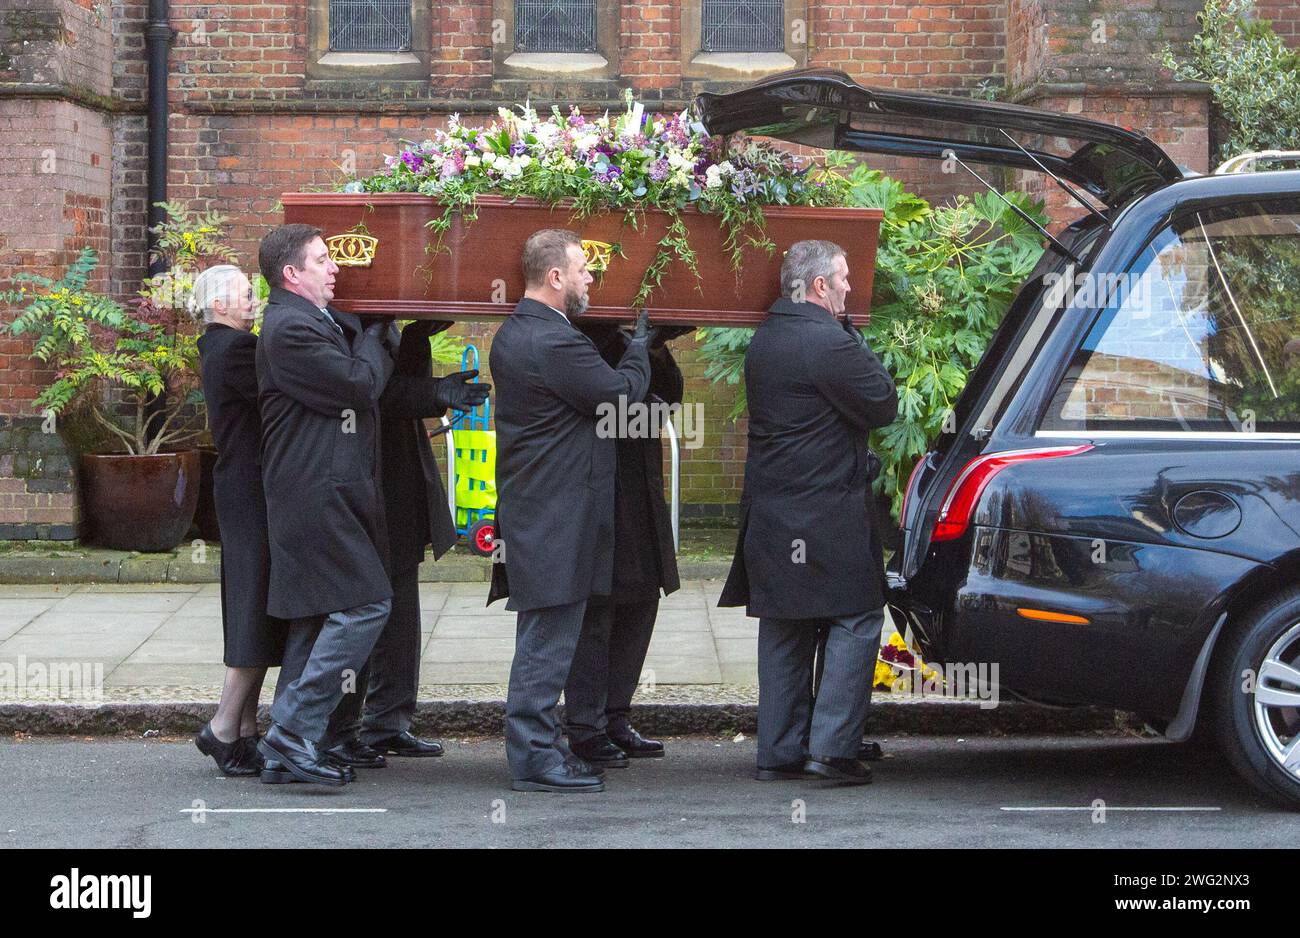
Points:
[414,162]
[518,148]
[659,169]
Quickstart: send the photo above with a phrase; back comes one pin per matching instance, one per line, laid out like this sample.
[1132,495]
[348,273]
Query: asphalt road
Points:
[931,792]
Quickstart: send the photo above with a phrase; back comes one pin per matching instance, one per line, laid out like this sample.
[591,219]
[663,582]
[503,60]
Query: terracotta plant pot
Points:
[388,266]
[143,503]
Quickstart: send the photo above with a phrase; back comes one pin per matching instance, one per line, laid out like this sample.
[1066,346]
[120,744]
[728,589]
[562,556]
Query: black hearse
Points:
[1115,517]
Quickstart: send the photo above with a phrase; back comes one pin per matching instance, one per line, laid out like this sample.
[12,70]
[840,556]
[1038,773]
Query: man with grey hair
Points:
[555,495]
[808,556]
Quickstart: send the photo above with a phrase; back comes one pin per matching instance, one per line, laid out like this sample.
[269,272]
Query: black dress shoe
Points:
[408,744]
[870,751]
[274,772]
[846,771]
[635,745]
[782,773]
[230,757]
[357,754]
[564,778]
[584,767]
[599,750]
[250,757]
[300,756]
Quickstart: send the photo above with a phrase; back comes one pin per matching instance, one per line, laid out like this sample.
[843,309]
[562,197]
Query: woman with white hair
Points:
[254,641]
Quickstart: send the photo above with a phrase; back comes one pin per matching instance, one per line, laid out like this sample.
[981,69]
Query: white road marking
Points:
[1109,808]
[284,811]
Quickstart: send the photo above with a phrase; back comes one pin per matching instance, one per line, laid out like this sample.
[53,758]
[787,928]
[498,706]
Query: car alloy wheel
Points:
[1277,701]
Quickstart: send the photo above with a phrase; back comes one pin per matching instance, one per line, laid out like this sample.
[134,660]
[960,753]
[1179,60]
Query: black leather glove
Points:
[662,335]
[386,330]
[853,330]
[642,331]
[460,391]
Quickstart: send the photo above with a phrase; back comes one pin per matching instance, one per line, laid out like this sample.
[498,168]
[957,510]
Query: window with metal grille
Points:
[743,26]
[555,25]
[370,25]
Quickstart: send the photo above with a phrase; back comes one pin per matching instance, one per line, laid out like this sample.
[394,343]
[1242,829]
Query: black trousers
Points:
[607,667]
[387,687]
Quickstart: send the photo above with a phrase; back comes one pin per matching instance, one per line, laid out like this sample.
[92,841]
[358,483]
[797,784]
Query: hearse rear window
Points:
[1203,334]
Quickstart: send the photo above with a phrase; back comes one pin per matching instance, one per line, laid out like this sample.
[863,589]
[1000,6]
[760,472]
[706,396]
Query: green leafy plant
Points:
[1252,74]
[944,279]
[96,345]
[146,355]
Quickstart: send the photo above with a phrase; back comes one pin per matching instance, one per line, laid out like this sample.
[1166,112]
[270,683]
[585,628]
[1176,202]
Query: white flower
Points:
[678,160]
[472,160]
[713,176]
[488,158]
[726,168]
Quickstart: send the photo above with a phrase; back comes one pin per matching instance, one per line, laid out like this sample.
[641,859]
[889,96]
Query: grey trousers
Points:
[791,727]
[545,640]
[607,667]
[388,685]
[324,654]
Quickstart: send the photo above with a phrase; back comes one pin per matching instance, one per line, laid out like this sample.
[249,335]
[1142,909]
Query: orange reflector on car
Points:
[1042,615]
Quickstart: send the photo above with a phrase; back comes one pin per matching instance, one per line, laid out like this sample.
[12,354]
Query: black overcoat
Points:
[808,545]
[554,473]
[319,392]
[645,560]
[227,359]
[415,497]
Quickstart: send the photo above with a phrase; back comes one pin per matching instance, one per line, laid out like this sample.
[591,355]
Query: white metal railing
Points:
[1246,162]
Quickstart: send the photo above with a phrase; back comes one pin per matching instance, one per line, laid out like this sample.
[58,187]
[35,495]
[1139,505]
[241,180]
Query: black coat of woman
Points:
[252,638]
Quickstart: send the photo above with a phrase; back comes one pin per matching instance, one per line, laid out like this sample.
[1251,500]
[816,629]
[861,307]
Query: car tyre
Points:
[1257,676]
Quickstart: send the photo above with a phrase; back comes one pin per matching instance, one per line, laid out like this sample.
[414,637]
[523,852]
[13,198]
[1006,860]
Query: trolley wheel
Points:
[482,535]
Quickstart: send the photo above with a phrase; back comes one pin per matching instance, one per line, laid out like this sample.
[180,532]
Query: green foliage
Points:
[944,279]
[97,345]
[1253,76]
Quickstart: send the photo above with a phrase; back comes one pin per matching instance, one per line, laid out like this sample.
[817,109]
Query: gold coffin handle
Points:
[352,250]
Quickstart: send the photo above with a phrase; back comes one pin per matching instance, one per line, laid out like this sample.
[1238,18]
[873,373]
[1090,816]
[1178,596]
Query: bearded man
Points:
[555,495]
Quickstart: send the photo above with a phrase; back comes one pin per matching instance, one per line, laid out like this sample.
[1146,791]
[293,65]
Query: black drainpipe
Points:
[158,36]
[157,43]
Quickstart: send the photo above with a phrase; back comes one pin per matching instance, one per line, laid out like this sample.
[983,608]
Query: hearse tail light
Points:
[964,493]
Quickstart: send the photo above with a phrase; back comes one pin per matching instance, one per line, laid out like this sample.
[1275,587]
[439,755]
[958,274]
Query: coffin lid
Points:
[823,107]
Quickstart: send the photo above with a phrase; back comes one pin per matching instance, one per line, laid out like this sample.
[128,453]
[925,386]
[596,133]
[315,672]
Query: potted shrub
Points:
[133,372]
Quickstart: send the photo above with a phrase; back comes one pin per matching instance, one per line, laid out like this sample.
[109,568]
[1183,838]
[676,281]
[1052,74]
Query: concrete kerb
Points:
[451,717]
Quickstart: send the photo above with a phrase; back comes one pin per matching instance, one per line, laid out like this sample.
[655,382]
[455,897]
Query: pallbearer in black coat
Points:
[417,516]
[808,553]
[616,628]
[555,495]
[254,641]
[320,377]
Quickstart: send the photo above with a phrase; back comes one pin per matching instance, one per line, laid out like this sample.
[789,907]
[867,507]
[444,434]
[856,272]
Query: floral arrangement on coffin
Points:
[630,162]
[897,664]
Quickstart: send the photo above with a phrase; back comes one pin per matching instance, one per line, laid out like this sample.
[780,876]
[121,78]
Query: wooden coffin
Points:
[388,264]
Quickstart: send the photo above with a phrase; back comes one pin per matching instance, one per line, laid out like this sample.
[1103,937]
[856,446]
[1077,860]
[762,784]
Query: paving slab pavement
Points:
[169,634]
